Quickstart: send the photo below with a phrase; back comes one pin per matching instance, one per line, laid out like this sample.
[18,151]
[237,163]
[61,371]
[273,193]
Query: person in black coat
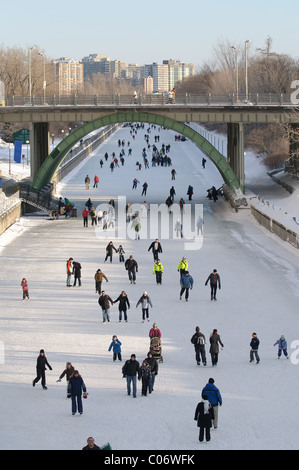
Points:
[109,251]
[203,416]
[156,249]
[123,305]
[74,391]
[130,370]
[77,272]
[214,279]
[132,268]
[41,369]
[152,361]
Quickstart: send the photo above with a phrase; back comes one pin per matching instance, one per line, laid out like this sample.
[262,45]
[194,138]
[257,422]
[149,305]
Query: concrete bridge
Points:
[95,112]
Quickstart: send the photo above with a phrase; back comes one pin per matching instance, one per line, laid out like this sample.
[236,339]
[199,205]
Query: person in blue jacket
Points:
[282,346]
[214,397]
[116,346]
[186,284]
[75,387]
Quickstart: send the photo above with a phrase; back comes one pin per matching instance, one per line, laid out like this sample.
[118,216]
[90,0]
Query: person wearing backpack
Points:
[199,341]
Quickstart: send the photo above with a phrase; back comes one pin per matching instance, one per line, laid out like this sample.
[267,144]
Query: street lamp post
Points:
[237,72]
[29,71]
[246,70]
[44,75]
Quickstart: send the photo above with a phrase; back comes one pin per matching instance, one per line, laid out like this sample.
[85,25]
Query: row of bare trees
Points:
[267,72]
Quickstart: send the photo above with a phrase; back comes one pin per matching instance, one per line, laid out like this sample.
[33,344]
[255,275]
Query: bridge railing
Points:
[230,99]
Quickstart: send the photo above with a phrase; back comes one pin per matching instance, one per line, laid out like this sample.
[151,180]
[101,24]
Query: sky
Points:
[148,32]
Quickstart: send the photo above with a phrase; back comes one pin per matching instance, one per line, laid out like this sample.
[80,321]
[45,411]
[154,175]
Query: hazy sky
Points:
[149,31]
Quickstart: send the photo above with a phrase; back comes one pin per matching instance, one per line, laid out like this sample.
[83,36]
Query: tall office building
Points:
[68,76]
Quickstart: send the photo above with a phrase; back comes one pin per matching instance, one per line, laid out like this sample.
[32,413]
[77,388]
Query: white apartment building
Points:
[68,76]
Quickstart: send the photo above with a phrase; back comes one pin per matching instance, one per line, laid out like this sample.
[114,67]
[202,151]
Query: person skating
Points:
[116,347]
[186,284]
[145,302]
[190,192]
[77,273]
[98,277]
[172,193]
[104,302]
[152,361]
[215,340]
[25,288]
[145,376]
[123,305]
[214,279]
[109,251]
[69,271]
[204,414]
[93,216]
[183,266]
[214,396]
[85,214]
[76,386]
[199,341]
[156,248]
[41,364]
[282,347]
[132,267]
[67,373]
[155,332]
[87,182]
[130,371]
[158,270]
[254,344]
[121,253]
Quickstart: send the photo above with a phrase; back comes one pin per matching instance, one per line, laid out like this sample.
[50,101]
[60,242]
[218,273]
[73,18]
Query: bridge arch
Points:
[55,158]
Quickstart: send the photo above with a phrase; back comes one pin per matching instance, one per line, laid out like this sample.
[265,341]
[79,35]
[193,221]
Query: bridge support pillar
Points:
[235,151]
[39,146]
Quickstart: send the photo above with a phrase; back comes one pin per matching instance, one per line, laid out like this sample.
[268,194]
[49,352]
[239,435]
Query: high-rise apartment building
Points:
[68,76]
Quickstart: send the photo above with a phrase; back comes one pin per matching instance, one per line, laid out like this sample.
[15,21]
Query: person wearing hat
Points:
[145,301]
[214,279]
[74,391]
[41,369]
[254,344]
[116,346]
[282,346]
[98,277]
[130,370]
[214,396]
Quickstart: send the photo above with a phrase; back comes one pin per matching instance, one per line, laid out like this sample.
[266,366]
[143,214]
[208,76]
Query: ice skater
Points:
[41,369]
[116,347]
[25,288]
[282,347]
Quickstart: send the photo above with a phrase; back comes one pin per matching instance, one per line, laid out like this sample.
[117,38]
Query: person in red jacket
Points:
[85,217]
[155,332]
[95,181]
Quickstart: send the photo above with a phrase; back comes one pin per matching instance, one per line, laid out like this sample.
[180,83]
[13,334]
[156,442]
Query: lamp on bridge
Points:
[29,70]
[237,72]
[246,70]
